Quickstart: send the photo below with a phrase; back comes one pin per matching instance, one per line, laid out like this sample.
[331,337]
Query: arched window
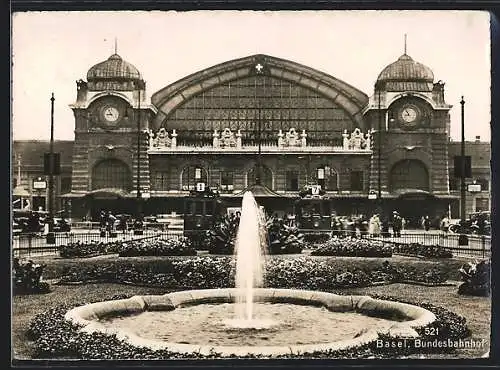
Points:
[191,175]
[266,177]
[409,174]
[111,173]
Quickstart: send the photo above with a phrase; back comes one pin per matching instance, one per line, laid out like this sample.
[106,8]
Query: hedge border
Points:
[56,337]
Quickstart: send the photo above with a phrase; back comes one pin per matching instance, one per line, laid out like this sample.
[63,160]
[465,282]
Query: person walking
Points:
[374,226]
[111,223]
[445,225]
[385,227]
[397,224]
[427,223]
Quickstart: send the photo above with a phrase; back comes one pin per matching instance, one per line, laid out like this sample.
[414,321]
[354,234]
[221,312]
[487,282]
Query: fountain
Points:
[249,319]
[250,249]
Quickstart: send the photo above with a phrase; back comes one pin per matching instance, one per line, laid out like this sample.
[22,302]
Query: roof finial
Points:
[405,44]
[116,46]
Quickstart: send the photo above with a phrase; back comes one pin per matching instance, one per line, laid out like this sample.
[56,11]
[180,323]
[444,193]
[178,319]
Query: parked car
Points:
[477,223]
[61,225]
[151,222]
[123,220]
[16,228]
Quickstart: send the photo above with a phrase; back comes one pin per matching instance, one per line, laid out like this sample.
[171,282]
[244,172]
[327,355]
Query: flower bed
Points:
[218,272]
[131,248]
[353,247]
[420,250]
[161,247]
[55,337]
[88,249]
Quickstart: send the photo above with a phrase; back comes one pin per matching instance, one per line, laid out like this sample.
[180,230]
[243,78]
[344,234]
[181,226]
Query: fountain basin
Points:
[92,316]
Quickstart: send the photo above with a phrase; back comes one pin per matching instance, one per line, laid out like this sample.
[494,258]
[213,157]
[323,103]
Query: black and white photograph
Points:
[219,184]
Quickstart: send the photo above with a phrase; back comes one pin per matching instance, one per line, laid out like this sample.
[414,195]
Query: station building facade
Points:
[267,120]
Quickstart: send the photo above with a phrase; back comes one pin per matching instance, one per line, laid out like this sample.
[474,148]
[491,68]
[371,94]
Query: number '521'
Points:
[431,331]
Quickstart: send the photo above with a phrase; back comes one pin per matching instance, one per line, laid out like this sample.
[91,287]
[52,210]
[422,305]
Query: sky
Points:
[51,50]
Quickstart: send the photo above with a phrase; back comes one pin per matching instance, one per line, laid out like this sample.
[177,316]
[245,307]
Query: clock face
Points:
[409,115]
[110,114]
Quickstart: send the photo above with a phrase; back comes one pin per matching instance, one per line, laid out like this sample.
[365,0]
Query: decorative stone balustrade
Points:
[292,140]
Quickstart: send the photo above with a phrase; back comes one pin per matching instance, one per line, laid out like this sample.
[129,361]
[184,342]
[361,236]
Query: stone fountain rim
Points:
[87,317]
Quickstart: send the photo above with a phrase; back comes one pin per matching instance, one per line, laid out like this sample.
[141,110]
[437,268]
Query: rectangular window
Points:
[226,180]
[292,180]
[189,207]
[198,208]
[197,173]
[356,180]
[65,185]
[482,204]
[333,181]
[209,208]
[160,181]
[453,183]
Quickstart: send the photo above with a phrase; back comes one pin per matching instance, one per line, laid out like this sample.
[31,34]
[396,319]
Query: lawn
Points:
[476,310]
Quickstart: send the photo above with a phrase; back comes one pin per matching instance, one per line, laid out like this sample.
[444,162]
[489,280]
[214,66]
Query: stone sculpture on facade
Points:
[161,139]
[227,139]
[356,140]
[291,138]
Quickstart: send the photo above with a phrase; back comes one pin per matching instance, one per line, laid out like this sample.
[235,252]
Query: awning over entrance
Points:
[73,195]
[19,191]
[108,193]
[416,194]
[259,191]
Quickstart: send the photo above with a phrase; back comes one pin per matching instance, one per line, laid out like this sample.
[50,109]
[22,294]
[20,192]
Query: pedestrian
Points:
[445,224]
[427,223]
[385,227]
[397,224]
[111,222]
[363,226]
[123,223]
[374,226]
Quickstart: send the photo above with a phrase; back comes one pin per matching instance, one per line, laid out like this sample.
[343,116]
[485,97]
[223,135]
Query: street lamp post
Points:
[379,154]
[50,235]
[463,239]
[138,229]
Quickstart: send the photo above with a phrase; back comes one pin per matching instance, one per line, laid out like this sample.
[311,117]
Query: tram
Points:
[313,213]
[201,210]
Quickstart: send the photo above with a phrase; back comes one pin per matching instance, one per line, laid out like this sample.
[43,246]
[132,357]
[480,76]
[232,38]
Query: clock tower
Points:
[410,122]
[110,151]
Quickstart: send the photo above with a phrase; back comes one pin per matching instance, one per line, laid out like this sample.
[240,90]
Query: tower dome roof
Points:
[406,74]
[113,68]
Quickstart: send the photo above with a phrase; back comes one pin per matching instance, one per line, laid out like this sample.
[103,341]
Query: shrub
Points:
[476,279]
[218,272]
[222,235]
[27,278]
[353,247]
[282,239]
[316,238]
[161,247]
[88,249]
[418,249]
